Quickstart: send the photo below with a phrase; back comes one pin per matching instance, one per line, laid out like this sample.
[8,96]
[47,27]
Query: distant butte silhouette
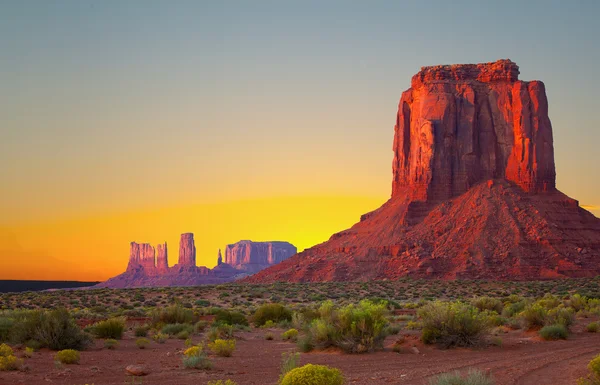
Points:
[473,191]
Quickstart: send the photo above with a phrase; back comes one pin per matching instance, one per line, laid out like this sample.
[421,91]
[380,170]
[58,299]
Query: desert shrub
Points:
[313,375]
[222,348]
[221,382]
[269,336]
[220,332]
[200,326]
[593,377]
[353,328]
[413,325]
[10,362]
[305,344]
[289,361]
[473,377]
[560,315]
[291,335]
[175,329]
[513,308]
[392,330]
[549,301]
[593,327]
[142,331]
[142,343]
[6,325]
[28,352]
[303,318]
[554,332]
[274,312]
[488,303]
[5,350]
[160,338]
[453,324]
[577,302]
[175,314]
[195,358]
[230,318]
[269,324]
[54,329]
[202,303]
[533,316]
[112,328]
[68,356]
[111,344]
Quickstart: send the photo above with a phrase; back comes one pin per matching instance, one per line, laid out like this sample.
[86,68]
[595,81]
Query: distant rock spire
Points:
[187,250]
[219,258]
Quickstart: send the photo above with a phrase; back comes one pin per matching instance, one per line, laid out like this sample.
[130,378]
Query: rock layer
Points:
[473,191]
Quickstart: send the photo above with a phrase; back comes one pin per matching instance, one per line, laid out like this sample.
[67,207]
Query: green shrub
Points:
[142,343]
[453,324]
[223,332]
[560,315]
[313,375]
[554,332]
[289,361]
[175,329]
[353,328]
[305,344]
[195,358]
[175,314]
[192,351]
[6,325]
[274,312]
[222,348]
[111,344]
[200,326]
[202,303]
[54,329]
[112,328]
[488,303]
[5,350]
[290,335]
[473,377]
[533,316]
[142,331]
[593,327]
[160,338]
[68,356]
[230,318]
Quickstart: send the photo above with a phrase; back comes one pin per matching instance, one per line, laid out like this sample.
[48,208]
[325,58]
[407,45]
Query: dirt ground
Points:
[522,359]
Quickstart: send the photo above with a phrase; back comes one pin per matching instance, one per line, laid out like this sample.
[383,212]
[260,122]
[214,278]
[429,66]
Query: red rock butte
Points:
[473,191]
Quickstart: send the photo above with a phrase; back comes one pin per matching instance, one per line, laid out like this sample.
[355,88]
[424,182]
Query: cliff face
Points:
[187,250]
[463,124]
[244,254]
[162,258]
[473,191]
[141,255]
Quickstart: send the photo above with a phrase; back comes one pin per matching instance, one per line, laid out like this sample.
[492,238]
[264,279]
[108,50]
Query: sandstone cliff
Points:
[187,250]
[473,191]
[255,256]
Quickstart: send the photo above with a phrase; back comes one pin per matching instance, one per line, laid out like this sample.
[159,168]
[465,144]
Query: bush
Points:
[313,375]
[142,331]
[5,350]
[54,329]
[68,356]
[473,377]
[488,303]
[353,328]
[160,338]
[554,332]
[227,317]
[274,312]
[593,327]
[112,328]
[593,377]
[560,315]
[222,348]
[195,358]
[142,343]
[111,344]
[175,314]
[6,325]
[289,361]
[453,324]
[220,332]
[200,326]
[290,335]
[175,329]
[533,316]
[305,344]
[10,362]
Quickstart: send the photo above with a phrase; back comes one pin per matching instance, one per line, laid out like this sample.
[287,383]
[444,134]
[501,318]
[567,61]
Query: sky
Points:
[140,120]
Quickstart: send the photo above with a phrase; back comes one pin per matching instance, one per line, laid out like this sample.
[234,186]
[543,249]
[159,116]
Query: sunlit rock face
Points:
[187,250]
[459,125]
[473,191]
[255,256]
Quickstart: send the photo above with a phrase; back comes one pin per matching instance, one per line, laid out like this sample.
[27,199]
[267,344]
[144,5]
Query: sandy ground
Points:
[522,359]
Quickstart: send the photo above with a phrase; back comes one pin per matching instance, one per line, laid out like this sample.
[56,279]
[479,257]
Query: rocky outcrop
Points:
[144,270]
[187,250]
[460,125]
[255,256]
[162,258]
[473,191]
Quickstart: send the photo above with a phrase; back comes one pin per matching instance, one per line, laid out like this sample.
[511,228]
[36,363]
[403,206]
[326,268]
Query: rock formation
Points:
[187,250]
[146,270]
[473,191]
[255,256]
